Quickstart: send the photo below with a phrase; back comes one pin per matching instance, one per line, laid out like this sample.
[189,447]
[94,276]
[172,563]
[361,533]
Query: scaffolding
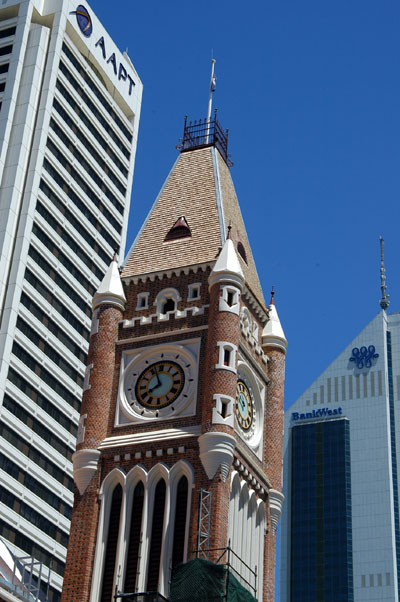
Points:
[203,536]
[27,580]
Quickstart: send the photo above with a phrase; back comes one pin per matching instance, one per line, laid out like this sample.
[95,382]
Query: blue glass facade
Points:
[321,562]
[393,451]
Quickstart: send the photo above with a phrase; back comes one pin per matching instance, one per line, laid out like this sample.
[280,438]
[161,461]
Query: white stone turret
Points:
[227,267]
[273,335]
[110,290]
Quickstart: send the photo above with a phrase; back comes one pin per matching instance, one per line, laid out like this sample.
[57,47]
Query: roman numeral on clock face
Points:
[159,384]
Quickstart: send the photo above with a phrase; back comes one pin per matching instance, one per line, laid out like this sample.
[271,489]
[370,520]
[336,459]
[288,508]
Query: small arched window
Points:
[169,305]
[112,544]
[166,301]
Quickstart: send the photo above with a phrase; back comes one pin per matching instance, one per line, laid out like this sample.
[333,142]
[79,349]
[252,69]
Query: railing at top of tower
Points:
[203,133]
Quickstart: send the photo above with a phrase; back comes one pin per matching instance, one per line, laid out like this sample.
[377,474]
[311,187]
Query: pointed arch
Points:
[113,517]
[233,527]
[259,545]
[136,514]
[156,536]
[180,505]
[249,557]
[111,544]
[150,504]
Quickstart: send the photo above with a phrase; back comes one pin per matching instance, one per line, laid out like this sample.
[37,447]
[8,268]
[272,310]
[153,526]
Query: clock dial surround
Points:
[158,382]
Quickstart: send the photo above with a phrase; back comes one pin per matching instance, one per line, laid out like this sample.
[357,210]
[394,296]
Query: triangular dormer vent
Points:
[180,229]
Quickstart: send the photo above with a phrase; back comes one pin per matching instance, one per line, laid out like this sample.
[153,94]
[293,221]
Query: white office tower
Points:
[70,104]
[340,538]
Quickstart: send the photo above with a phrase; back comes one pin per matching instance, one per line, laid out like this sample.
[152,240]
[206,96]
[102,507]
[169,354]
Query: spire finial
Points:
[229,232]
[115,254]
[384,301]
[272,302]
[213,81]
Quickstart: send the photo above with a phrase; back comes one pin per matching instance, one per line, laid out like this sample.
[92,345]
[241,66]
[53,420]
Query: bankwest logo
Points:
[321,413]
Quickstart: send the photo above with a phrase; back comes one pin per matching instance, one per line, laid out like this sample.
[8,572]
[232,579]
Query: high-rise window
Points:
[321,559]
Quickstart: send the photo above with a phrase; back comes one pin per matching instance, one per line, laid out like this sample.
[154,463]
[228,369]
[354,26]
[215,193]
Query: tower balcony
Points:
[203,133]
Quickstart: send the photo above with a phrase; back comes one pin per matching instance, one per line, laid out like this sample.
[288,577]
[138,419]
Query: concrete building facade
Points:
[69,115]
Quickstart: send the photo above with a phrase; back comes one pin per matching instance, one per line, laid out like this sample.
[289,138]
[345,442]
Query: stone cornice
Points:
[149,437]
[152,276]
[161,335]
[247,294]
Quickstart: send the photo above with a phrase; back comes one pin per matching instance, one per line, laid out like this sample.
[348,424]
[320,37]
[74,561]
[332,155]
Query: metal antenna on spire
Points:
[212,88]
[384,301]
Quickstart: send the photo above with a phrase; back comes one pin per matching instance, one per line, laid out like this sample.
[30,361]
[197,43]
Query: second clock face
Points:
[244,406]
[160,384]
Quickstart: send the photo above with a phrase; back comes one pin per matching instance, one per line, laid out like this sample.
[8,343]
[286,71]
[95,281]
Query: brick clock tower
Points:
[179,450]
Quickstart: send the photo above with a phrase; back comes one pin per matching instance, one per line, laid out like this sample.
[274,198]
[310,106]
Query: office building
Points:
[69,114]
[179,455]
[340,525]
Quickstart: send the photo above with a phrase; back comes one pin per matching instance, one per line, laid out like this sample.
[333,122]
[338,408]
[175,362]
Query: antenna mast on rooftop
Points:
[384,301]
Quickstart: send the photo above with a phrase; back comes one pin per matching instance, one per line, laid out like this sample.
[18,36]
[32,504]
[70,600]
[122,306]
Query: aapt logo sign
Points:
[84,20]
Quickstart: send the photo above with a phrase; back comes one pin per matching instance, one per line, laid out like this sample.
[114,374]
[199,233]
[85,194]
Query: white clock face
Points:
[249,406]
[158,382]
[246,414]
[245,409]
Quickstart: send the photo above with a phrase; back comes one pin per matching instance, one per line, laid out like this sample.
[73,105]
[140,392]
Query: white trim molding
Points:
[229,299]
[150,480]
[226,356]
[216,451]
[223,412]
[276,499]
[246,531]
[84,463]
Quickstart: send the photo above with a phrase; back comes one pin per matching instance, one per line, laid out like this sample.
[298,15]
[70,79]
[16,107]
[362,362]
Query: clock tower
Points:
[179,452]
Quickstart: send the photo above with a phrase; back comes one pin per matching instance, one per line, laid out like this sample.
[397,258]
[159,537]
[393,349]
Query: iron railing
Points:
[225,557]
[202,133]
[140,597]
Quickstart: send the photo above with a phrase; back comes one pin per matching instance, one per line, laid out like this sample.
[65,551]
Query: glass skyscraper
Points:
[340,524]
[321,536]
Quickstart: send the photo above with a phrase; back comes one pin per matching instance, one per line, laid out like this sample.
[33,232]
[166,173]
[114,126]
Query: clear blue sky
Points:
[310,93]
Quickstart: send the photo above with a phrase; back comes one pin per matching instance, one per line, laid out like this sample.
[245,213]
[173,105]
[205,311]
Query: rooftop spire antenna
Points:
[213,81]
[384,301]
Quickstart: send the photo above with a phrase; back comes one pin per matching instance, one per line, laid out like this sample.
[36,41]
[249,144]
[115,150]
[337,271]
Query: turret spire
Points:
[384,301]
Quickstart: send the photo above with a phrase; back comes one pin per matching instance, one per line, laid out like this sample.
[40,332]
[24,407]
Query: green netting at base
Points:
[203,581]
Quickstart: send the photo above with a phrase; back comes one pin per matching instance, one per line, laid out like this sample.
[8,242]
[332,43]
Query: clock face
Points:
[160,384]
[245,409]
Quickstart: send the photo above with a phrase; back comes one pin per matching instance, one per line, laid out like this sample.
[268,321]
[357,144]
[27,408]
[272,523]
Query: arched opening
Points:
[133,552]
[169,305]
[111,547]
[156,537]
[180,522]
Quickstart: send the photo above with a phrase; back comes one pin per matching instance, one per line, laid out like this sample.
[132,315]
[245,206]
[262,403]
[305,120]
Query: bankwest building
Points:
[340,527]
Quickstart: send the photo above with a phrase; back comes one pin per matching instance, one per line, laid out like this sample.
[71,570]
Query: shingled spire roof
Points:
[200,189]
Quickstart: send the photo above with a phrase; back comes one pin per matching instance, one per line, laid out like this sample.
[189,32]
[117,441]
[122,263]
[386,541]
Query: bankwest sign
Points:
[321,413]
